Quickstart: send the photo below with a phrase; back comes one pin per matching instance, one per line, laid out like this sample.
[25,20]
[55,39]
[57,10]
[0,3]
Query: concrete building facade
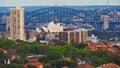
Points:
[105,19]
[6,20]
[30,35]
[118,16]
[73,36]
[17,23]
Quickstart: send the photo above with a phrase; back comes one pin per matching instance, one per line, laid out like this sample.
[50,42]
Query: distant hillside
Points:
[31,8]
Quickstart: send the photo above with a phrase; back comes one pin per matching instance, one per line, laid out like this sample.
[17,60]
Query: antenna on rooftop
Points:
[57,3]
[107,3]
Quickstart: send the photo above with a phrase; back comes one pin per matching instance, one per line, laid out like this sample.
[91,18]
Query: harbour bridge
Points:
[57,14]
[61,14]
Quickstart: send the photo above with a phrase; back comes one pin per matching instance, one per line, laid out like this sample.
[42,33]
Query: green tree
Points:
[98,61]
[59,63]
[11,66]
[54,55]
[3,57]
[30,66]
[6,43]
[116,58]
[18,61]
[67,43]
[80,45]
[15,65]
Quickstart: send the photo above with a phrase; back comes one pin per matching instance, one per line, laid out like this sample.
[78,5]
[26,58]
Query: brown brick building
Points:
[73,35]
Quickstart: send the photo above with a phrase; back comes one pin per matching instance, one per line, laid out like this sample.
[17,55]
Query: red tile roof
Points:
[65,67]
[85,66]
[34,63]
[102,45]
[109,65]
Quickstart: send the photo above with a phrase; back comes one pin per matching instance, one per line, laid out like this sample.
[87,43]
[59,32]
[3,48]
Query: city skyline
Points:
[57,2]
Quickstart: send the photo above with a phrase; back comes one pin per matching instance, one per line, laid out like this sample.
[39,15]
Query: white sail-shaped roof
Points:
[52,27]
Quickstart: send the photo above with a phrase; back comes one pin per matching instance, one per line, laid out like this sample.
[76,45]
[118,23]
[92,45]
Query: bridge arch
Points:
[60,14]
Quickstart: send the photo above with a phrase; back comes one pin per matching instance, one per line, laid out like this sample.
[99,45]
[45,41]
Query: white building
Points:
[17,23]
[93,38]
[52,27]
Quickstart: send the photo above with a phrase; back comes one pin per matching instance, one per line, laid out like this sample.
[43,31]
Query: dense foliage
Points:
[55,55]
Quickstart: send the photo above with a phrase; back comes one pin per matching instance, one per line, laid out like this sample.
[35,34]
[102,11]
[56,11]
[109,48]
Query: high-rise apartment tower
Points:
[105,19]
[17,24]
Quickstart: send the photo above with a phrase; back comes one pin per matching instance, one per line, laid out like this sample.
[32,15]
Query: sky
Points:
[57,2]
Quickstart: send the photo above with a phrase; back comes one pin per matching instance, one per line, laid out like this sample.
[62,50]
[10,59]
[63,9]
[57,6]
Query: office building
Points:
[31,35]
[73,35]
[105,19]
[118,16]
[6,20]
[17,23]
[8,24]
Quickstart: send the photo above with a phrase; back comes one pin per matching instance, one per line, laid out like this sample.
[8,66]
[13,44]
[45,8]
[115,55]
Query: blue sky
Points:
[56,2]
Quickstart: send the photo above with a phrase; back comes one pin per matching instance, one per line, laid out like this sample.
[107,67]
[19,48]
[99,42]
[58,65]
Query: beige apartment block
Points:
[17,24]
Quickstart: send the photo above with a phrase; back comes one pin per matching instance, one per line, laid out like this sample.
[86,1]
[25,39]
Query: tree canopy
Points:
[55,55]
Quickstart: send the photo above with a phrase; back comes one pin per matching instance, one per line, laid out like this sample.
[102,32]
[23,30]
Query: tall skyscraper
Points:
[17,24]
[105,19]
[118,16]
[74,36]
[6,20]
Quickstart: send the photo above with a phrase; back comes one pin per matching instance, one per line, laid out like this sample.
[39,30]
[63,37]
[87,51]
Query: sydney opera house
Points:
[53,27]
